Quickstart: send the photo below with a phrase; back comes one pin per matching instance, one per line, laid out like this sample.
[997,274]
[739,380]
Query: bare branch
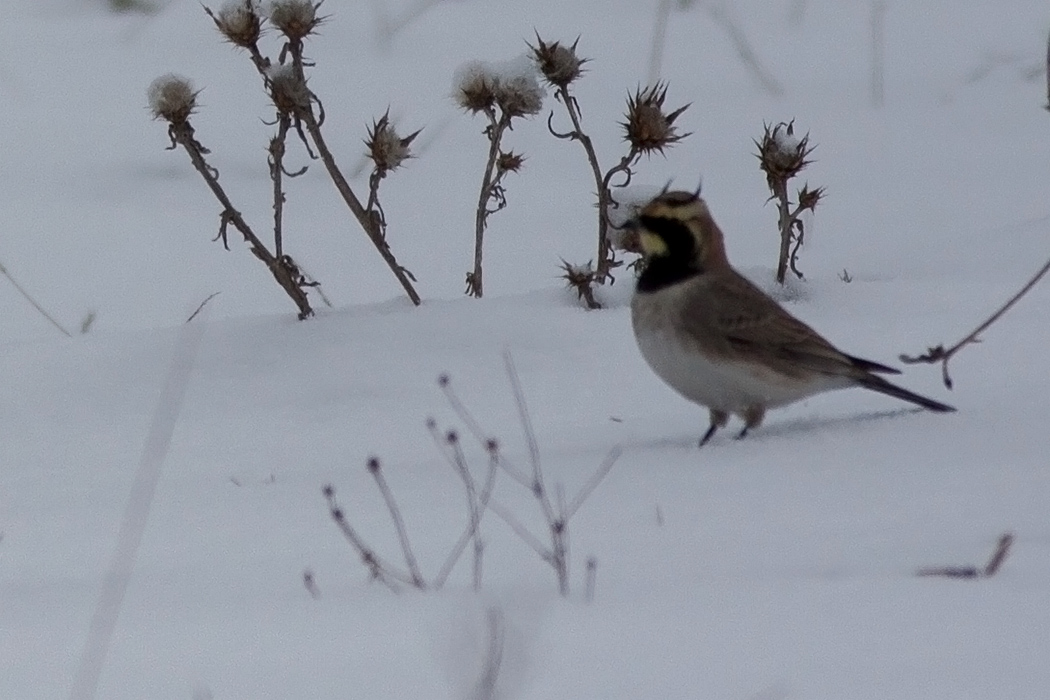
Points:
[942,355]
[376,471]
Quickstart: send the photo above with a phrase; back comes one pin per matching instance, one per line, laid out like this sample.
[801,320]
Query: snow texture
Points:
[780,567]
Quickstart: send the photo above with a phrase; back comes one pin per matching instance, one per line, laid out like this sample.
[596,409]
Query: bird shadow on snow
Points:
[789,428]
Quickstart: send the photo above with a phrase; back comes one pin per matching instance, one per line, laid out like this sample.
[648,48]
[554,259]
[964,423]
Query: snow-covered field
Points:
[779,567]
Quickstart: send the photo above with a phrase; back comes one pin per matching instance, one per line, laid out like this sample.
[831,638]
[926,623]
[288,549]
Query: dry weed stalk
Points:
[648,129]
[1002,549]
[299,108]
[35,304]
[943,355]
[557,511]
[782,157]
[502,93]
[174,100]
[478,500]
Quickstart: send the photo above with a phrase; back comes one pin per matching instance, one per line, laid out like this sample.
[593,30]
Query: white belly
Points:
[720,384]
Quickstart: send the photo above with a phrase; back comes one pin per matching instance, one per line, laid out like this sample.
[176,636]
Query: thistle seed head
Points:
[474,88]
[172,98]
[519,95]
[239,22]
[296,19]
[287,90]
[559,64]
[648,128]
[385,147]
[509,162]
[512,86]
[781,154]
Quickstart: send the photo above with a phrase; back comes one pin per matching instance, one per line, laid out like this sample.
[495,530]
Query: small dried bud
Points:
[492,445]
[385,147]
[328,490]
[781,155]
[581,278]
[296,19]
[287,90]
[559,64]
[172,98]
[452,437]
[808,199]
[443,380]
[509,162]
[373,464]
[648,128]
[475,87]
[431,424]
[239,22]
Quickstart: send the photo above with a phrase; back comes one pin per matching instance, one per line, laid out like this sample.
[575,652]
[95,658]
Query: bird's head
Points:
[678,238]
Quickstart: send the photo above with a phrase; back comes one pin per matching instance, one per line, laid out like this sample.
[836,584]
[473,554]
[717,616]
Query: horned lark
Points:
[720,341]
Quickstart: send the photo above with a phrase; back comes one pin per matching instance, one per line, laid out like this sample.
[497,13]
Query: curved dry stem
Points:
[942,355]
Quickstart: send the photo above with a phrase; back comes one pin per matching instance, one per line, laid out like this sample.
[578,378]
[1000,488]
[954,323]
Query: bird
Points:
[719,340]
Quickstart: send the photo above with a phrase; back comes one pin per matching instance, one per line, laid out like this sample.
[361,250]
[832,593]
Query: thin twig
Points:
[520,530]
[538,488]
[31,300]
[592,578]
[376,471]
[592,483]
[486,686]
[379,569]
[477,506]
[942,355]
[201,306]
[489,182]
[999,556]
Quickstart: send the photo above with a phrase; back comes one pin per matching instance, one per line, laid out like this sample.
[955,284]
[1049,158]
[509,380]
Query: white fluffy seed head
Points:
[172,98]
[296,19]
[239,22]
[511,85]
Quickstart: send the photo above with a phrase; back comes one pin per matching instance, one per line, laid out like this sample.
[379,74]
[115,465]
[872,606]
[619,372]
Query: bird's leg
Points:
[718,420]
[752,416]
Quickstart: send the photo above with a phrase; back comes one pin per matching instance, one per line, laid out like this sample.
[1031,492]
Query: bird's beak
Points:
[630,237]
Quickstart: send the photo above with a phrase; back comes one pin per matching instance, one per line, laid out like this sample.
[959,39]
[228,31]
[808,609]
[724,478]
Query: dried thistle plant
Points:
[782,156]
[648,128]
[243,23]
[388,151]
[502,93]
[173,99]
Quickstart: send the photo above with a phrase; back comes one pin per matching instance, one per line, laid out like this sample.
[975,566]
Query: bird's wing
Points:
[748,325]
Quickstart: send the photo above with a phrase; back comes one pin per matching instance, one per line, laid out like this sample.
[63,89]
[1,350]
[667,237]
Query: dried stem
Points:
[33,302]
[476,504]
[592,579]
[490,191]
[366,221]
[305,115]
[606,258]
[942,355]
[280,268]
[379,570]
[486,686]
[277,173]
[376,471]
[784,223]
[201,306]
[1002,548]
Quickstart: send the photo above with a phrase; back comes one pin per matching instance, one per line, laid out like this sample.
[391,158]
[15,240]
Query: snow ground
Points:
[774,568]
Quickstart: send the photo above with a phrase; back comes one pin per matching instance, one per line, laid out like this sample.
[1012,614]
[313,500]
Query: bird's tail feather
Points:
[876,383]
